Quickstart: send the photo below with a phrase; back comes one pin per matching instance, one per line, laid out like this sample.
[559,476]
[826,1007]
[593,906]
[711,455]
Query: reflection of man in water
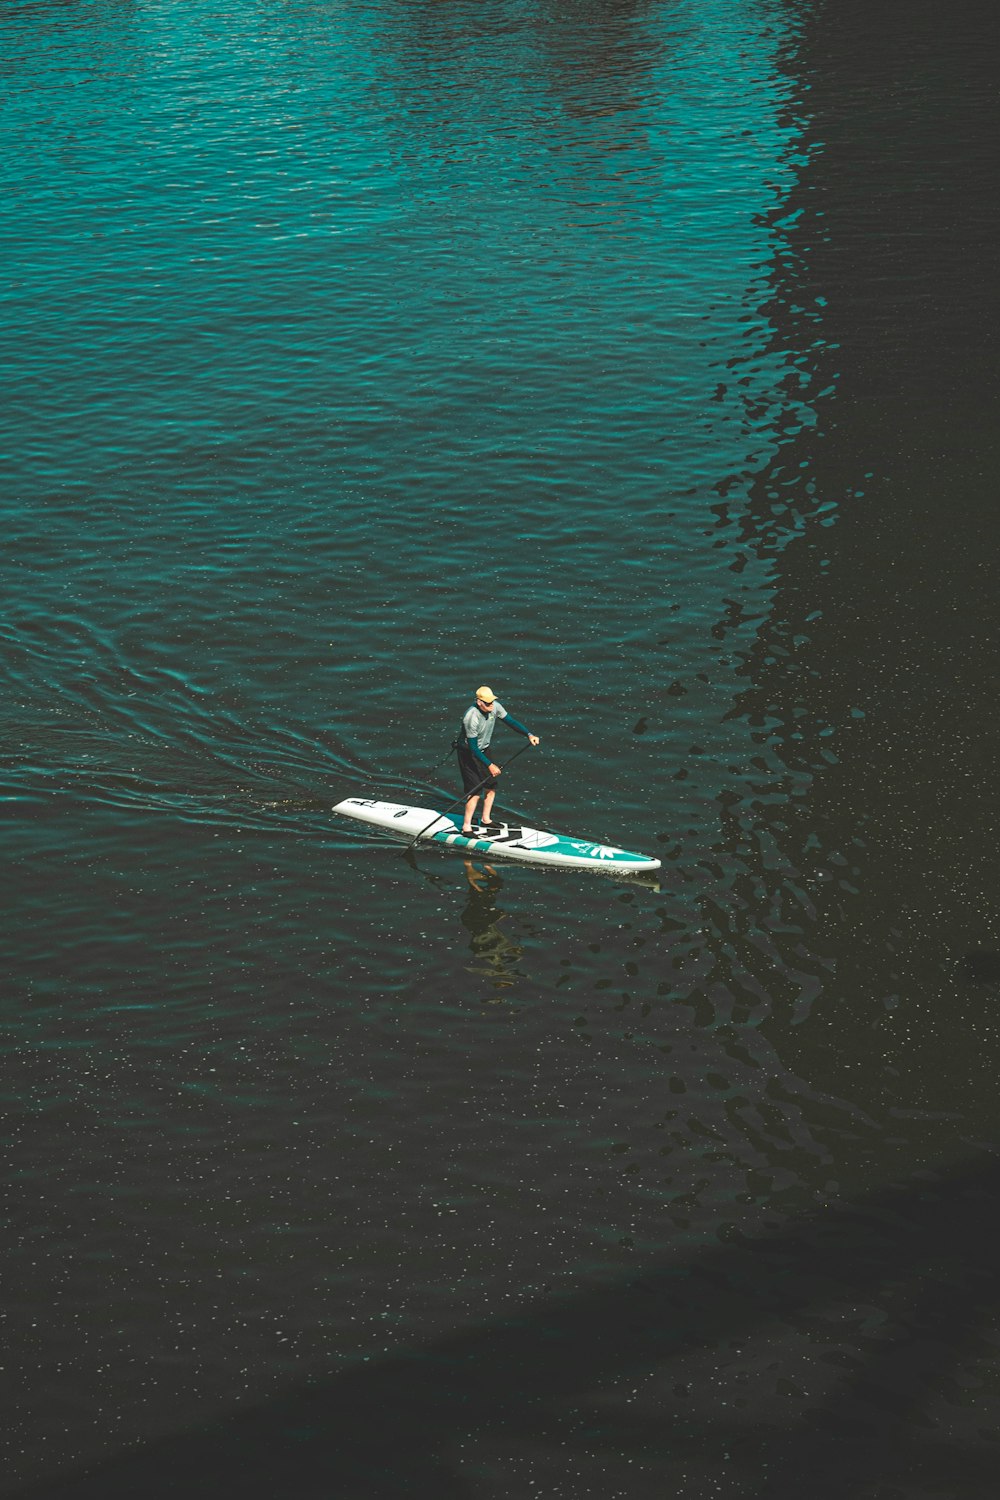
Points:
[497,955]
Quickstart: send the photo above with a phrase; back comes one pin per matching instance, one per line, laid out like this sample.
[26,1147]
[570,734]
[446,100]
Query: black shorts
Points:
[473,772]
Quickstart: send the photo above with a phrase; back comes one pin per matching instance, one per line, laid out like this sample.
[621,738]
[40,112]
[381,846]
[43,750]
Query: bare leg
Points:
[488,805]
[470,807]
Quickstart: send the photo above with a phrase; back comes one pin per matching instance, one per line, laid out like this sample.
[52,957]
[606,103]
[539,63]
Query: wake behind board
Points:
[530,844]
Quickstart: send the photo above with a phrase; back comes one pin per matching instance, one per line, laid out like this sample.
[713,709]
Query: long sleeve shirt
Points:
[477,728]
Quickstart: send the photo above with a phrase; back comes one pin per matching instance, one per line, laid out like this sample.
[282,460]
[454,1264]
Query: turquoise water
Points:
[635,360]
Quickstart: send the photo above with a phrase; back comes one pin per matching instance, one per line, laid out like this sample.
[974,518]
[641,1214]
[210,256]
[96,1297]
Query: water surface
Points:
[636,360]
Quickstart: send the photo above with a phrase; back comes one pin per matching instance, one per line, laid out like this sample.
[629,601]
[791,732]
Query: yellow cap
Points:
[487,694]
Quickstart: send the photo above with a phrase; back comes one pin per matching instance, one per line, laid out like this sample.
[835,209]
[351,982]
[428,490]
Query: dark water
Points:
[640,361]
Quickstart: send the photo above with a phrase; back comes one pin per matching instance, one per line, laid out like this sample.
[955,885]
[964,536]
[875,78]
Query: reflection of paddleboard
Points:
[511,843]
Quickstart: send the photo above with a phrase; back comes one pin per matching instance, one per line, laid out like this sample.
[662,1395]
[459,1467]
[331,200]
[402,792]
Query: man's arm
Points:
[515,724]
[473,742]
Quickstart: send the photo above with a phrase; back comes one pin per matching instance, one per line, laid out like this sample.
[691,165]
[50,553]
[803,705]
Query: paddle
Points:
[464,797]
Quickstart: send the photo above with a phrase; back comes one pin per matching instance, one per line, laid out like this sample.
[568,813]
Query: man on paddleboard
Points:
[479,773]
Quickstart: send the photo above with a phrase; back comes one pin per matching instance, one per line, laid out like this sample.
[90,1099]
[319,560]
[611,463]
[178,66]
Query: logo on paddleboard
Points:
[597,851]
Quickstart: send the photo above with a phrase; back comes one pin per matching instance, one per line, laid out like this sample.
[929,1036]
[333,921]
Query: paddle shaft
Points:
[464,797]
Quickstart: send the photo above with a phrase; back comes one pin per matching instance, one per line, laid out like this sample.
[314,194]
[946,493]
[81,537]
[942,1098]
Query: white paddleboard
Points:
[520,842]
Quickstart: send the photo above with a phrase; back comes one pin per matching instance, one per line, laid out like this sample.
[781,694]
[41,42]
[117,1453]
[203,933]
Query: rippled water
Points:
[636,359]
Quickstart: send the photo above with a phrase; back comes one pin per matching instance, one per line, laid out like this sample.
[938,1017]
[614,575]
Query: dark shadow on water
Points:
[982,966]
[920,1257]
